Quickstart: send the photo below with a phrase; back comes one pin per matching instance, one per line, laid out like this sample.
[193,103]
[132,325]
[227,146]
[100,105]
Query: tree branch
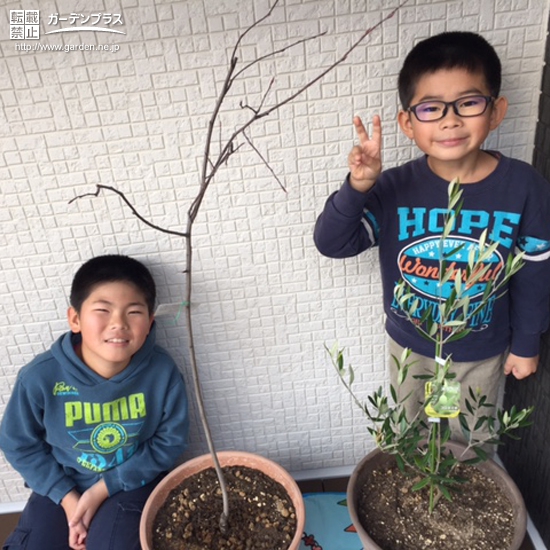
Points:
[257,114]
[208,172]
[265,162]
[99,187]
[255,24]
[256,111]
[276,52]
[334,65]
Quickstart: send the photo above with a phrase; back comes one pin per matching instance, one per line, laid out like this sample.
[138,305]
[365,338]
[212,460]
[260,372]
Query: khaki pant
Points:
[487,375]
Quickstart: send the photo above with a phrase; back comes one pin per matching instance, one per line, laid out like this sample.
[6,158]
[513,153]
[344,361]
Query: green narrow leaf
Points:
[433,329]
[421,484]
[400,463]
[454,323]
[472,257]
[482,240]
[414,307]
[459,335]
[454,251]
[351,375]
[481,453]
[458,282]
[489,251]
[447,274]
[446,493]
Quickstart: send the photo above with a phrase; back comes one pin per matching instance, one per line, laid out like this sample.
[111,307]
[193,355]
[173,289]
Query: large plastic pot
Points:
[226,458]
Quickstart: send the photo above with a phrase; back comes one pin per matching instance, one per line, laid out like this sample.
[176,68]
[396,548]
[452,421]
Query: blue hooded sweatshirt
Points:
[67,427]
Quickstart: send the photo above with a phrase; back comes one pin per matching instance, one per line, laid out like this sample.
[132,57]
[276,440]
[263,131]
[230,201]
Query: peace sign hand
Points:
[364,159]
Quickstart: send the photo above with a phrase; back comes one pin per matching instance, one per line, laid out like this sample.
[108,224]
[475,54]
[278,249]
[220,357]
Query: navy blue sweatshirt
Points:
[403,215]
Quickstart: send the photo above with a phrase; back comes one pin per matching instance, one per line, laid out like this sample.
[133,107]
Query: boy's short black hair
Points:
[449,50]
[112,268]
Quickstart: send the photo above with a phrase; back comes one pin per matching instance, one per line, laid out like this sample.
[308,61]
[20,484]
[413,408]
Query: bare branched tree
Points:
[211,164]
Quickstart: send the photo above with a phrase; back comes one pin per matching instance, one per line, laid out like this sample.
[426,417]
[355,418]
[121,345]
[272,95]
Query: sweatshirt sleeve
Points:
[160,452]
[345,228]
[530,286]
[22,440]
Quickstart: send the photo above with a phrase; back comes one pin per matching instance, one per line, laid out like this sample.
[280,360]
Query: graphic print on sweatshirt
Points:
[418,261]
[106,434]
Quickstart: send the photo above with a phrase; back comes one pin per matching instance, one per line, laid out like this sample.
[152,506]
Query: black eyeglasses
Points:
[471,105]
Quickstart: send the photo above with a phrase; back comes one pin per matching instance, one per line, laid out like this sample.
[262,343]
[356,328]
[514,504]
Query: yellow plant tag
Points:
[445,401]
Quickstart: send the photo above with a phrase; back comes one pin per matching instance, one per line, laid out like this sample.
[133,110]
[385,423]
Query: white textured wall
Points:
[265,301]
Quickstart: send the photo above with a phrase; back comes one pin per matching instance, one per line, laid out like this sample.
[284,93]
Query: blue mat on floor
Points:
[328,525]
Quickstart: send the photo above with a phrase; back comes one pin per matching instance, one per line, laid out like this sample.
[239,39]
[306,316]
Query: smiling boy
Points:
[94,423]
[449,89]
[113,322]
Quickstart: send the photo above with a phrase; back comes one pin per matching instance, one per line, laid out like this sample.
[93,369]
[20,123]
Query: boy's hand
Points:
[85,510]
[520,367]
[364,160]
[78,531]
[77,536]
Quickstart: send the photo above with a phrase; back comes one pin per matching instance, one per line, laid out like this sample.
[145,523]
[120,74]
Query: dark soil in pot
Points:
[262,516]
[480,516]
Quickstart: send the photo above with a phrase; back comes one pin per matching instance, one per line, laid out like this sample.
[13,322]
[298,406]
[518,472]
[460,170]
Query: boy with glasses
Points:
[449,89]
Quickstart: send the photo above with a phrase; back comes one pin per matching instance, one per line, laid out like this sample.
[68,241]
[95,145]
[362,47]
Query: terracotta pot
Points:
[490,468]
[226,458]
